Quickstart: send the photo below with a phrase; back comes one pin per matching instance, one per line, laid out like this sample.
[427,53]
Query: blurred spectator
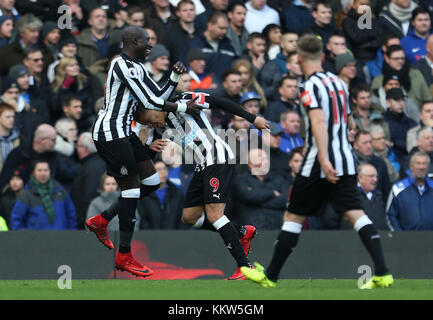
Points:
[9,134]
[88,177]
[27,27]
[184,83]
[153,38]
[426,116]
[415,189]
[375,66]
[67,134]
[6,30]
[162,209]
[363,110]
[158,64]
[232,84]
[172,157]
[26,119]
[200,80]
[288,45]
[414,44]
[371,198]
[390,81]
[43,203]
[236,32]
[70,80]
[336,45]
[290,122]
[296,156]
[364,41]
[39,84]
[294,67]
[9,195]
[260,195]
[159,16]
[288,99]
[256,51]
[214,43]
[279,160]
[119,14]
[93,42]
[364,153]
[272,35]
[66,48]
[135,17]
[345,65]
[398,122]
[182,30]
[382,149]
[395,17]
[41,147]
[7,8]
[425,64]
[49,39]
[411,79]
[199,7]
[259,15]
[29,98]
[424,144]
[249,80]
[72,108]
[298,16]
[250,101]
[202,19]
[323,25]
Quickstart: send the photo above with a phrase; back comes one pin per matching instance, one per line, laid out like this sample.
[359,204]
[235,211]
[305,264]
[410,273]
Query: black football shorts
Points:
[210,185]
[122,155]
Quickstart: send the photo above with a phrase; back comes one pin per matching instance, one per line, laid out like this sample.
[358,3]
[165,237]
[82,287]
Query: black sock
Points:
[209,226]
[283,247]
[127,207]
[111,212]
[147,189]
[230,236]
[371,240]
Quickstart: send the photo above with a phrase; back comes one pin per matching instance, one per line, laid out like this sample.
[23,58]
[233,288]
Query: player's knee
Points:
[188,220]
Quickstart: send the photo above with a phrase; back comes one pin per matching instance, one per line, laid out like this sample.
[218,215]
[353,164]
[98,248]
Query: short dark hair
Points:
[425,102]
[358,88]
[392,49]
[325,3]
[229,72]
[234,4]
[361,132]
[255,35]
[216,15]
[295,151]
[182,2]
[5,107]
[284,78]
[417,11]
[35,162]
[68,99]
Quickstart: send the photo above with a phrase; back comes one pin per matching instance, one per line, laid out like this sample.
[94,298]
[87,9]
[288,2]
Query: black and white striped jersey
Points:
[329,93]
[128,84]
[200,143]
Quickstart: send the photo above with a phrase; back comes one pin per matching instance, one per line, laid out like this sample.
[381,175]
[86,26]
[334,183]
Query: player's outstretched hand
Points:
[158,145]
[179,68]
[261,123]
[192,108]
[330,172]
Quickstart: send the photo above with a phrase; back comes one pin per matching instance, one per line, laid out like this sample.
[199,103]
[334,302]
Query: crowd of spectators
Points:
[52,86]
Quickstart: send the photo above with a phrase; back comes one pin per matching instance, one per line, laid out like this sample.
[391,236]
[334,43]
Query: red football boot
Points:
[238,275]
[98,225]
[125,262]
[246,239]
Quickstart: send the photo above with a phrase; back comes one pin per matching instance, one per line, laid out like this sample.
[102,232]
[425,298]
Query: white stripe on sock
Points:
[291,226]
[199,222]
[153,180]
[221,222]
[362,222]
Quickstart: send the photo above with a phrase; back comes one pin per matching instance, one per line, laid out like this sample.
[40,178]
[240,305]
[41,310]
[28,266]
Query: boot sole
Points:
[90,229]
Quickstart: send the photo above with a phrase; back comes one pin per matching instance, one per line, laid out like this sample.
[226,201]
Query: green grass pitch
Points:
[211,290]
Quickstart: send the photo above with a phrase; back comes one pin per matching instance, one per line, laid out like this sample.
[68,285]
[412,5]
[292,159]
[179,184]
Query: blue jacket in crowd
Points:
[297,17]
[28,212]
[414,46]
[409,208]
